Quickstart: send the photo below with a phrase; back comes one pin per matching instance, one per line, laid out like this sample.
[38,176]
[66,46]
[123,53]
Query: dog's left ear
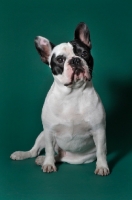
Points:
[82,33]
[44,48]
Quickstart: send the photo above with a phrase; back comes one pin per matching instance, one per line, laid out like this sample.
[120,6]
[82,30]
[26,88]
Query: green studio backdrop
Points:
[25,81]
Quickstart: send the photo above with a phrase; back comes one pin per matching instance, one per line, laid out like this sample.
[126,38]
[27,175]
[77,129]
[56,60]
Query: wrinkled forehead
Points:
[65,49]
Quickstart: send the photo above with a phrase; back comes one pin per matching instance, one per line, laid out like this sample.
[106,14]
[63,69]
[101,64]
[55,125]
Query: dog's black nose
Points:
[75,61]
[76,65]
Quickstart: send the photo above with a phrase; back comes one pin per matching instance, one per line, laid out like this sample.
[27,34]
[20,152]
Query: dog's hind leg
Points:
[33,152]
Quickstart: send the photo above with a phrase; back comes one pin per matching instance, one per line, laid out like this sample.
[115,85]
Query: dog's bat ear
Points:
[44,48]
[82,33]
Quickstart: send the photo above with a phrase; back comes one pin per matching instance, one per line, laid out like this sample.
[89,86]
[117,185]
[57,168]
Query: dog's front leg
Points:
[100,142]
[49,161]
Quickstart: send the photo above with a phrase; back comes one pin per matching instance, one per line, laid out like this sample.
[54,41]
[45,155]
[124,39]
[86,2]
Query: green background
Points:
[25,81]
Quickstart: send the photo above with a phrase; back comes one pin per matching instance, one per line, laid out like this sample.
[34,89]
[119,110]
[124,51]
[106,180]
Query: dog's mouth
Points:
[79,74]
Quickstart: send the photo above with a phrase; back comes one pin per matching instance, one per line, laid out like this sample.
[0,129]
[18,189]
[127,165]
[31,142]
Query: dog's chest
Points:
[70,124]
[70,110]
[70,114]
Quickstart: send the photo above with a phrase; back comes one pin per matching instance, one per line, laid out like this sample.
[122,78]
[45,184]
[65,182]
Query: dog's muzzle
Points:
[76,65]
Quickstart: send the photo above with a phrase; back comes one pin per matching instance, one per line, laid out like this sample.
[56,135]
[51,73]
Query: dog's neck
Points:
[62,90]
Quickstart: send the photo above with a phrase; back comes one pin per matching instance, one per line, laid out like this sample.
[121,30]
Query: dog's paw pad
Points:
[102,171]
[49,168]
[39,160]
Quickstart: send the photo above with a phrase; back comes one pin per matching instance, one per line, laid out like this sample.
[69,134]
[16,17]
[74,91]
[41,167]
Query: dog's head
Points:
[71,63]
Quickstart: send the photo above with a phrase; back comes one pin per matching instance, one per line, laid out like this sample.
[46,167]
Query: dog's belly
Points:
[75,138]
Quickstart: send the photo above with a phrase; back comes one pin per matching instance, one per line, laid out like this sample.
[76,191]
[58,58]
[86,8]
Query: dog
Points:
[73,116]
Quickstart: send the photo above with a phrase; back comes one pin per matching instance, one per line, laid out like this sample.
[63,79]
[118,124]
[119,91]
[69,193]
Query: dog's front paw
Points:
[49,168]
[102,171]
[40,160]
[20,155]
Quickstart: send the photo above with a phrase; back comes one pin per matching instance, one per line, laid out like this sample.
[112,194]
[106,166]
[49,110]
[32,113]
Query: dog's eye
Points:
[60,59]
[84,54]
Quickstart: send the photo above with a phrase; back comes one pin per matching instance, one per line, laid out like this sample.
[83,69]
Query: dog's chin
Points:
[77,82]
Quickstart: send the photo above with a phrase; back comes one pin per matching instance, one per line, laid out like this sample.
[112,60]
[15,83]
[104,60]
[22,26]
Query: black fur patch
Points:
[56,66]
[82,50]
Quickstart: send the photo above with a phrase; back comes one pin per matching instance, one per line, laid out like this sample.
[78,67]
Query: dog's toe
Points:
[16,155]
[20,155]
[102,171]
[49,168]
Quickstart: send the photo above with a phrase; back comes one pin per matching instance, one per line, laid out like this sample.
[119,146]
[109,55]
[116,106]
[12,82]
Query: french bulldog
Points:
[73,116]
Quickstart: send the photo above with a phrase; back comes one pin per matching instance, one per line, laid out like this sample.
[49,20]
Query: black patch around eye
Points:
[60,59]
[78,48]
[56,67]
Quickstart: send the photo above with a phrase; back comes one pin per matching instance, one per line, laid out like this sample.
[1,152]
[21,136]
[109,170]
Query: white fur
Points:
[74,123]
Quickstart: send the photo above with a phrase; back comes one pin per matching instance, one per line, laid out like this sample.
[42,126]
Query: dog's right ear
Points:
[44,48]
[82,33]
